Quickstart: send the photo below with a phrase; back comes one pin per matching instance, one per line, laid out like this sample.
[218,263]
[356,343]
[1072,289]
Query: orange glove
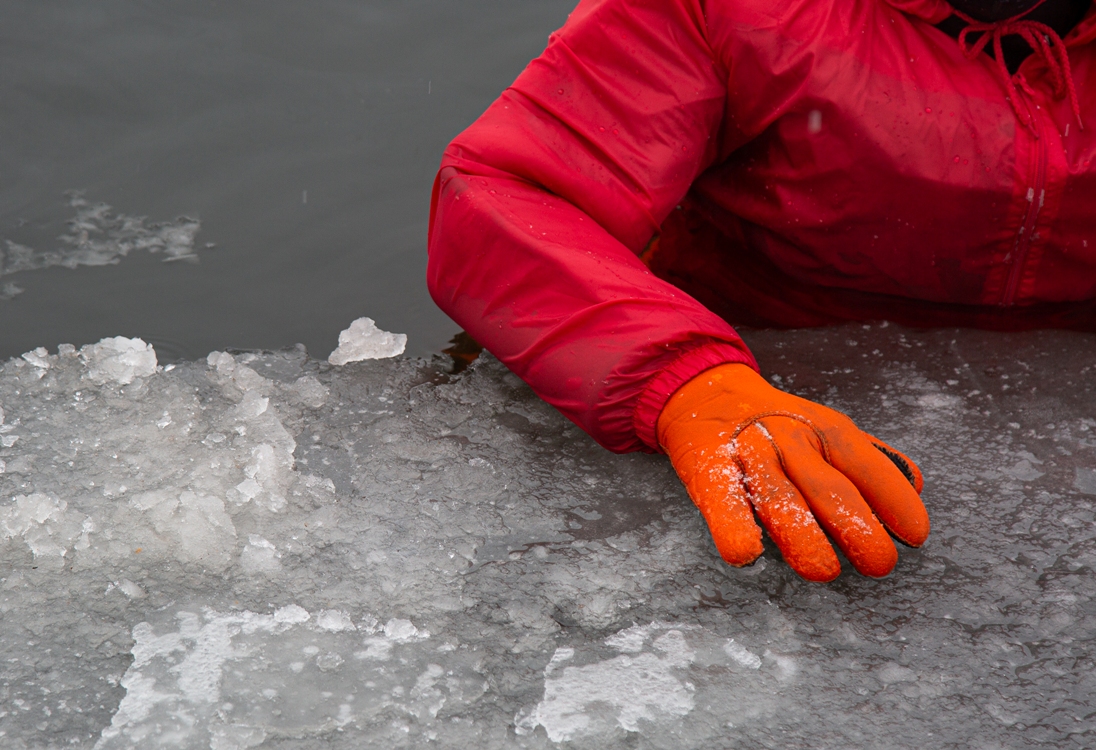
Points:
[737,442]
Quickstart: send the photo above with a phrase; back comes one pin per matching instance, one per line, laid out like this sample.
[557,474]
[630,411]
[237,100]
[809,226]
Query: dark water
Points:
[303,136]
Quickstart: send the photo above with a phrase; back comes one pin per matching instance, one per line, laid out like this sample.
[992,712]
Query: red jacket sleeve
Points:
[542,206]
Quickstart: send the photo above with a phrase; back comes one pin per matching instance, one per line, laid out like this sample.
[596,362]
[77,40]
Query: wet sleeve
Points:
[542,206]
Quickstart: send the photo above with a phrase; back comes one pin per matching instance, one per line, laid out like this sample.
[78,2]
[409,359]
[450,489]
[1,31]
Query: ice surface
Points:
[98,236]
[363,340]
[263,550]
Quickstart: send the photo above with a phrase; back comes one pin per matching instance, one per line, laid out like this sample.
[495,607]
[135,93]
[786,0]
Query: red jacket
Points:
[798,162]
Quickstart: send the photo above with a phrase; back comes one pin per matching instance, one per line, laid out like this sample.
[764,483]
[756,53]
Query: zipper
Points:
[1035,196]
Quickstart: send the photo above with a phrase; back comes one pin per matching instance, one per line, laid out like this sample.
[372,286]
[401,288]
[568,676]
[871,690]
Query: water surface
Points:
[303,137]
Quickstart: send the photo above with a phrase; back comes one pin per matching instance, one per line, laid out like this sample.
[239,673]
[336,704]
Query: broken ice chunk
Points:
[42,523]
[260,556]
[363,340]
[291,614]
[334,620]
[190,526]
[119,360]
[39,358]
[1085,481]
[310,391]
[402,631]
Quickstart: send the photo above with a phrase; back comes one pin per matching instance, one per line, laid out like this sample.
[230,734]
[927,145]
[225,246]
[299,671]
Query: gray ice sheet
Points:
[261,550]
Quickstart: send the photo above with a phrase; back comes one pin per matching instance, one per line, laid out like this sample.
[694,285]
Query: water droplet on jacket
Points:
[956,159]
[814,121]
[928,110]
[559,91]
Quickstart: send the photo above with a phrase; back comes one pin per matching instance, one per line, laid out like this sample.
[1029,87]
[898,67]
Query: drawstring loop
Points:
[1045,43]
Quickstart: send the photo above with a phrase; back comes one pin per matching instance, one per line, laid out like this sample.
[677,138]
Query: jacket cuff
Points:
[676,374]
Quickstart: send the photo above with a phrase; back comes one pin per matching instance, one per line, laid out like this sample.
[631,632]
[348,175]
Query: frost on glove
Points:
[743,447]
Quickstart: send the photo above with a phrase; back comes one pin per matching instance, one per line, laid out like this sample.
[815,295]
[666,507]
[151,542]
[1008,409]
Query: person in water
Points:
[669,167]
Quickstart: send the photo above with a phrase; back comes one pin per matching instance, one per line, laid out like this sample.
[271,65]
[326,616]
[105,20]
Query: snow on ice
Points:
[264,550]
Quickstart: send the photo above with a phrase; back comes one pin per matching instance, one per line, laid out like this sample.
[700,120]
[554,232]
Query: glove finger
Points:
[783,511]
[833,499]
[905,465]
[882,484]
[716,486]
